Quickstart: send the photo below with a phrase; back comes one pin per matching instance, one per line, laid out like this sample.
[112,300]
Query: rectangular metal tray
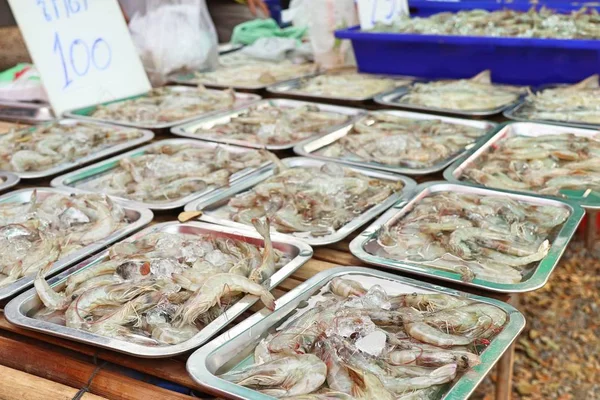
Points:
[17,310]
[26,112]
[242,99]
[511,112]
[234,348]
[391,99]
[8,180]
[140,217]
[191,80]
[108,151]
[214,207]
[309,147]
[209,122]
[453,173]
[73,179]
[291,88]
[535,279]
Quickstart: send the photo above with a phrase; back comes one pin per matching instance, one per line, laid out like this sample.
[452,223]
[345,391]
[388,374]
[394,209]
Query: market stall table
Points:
[84,366]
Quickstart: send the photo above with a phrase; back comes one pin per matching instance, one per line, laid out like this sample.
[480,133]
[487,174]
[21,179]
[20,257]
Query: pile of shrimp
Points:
[477,93]
[168,172]
[43,147]
[546,164]
[579,103]
[366,344]
[47,228]
[166,104]
[348,85]
[254,74]
[545,23]
[162,288]
[311,201]
[271,124]
[397,141]
[490,238]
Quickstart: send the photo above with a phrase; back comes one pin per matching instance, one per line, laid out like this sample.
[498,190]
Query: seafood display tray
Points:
[18,309]
[109,151]
[234,348]
[225,48]
[291,87]
[209,122]
[25,112]
[8,180]
[72,179]
[309,147]
[140,217]
[537,277]
[214,207]
[587,199]
[512,113]
[392,99]
[241,100]
[190,80]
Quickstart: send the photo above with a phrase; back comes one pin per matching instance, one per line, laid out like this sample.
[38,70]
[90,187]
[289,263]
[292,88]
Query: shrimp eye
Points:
[354,335]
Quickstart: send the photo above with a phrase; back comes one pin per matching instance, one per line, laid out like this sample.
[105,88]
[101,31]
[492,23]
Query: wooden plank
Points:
[311,268]
[18,385]
[59,366]
[337,257]
[6,126]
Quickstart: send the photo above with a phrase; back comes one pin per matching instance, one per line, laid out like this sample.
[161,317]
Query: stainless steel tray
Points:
[17,310]
[225,48]
[310,147]
[8,180]
[26,112]
[535,279]
[392,98]
[140,217]
[512,113]
[190,79]
[234,348]
[242,99]
[188,130]
[75,179]
[214,207]
[108,151]
[587,199]
[292,88]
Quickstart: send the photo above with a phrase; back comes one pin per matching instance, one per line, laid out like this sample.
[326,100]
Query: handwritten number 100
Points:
[79,57]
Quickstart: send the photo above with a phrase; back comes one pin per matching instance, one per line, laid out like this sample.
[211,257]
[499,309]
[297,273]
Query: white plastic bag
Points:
[323,18]
[172,35]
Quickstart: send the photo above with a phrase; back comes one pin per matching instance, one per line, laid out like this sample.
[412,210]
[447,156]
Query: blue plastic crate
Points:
[523,61]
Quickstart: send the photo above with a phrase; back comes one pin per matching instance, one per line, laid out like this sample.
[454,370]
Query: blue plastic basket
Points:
[523,61]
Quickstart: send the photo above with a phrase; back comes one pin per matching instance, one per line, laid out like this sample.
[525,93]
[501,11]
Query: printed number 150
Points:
[79,57]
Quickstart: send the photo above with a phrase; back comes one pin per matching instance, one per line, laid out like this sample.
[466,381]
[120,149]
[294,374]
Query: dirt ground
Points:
[558,353]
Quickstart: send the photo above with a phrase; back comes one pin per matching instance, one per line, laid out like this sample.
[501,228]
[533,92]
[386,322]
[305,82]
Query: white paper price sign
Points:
[82,49]
[371,12]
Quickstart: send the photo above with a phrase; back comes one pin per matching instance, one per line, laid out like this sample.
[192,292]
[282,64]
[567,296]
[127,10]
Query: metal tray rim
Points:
[340,234]
[247,98]
[147,136]
[181,130]
[382,98]
[540,275]
[13,309]
[11,180]
[197,363]
[499,131]
[60,181]
[25,282]
[27,105]
[299,149]
[510,114]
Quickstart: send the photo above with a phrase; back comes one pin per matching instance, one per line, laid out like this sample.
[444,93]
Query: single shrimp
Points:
[51,299]
[106,267]
[213,289]
[428,334]
[347,287]
[287,376]
[267,266]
